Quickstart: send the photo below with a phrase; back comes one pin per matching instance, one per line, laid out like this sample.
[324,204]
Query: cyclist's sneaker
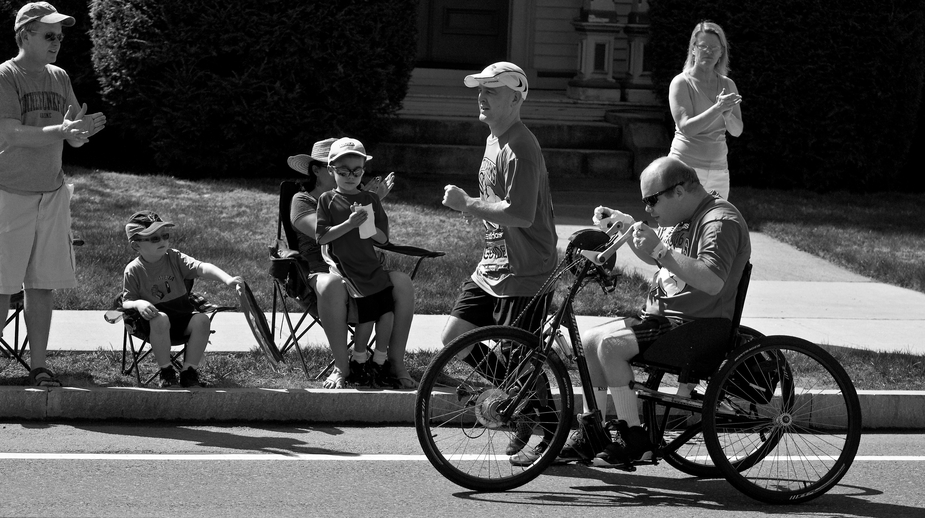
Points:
[168,377]
[632,444]
[359,374]
[576,449]
[189,377]
[523,430]
[528,456]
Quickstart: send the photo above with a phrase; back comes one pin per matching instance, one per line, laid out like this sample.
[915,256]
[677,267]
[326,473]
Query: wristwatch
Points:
[659,251]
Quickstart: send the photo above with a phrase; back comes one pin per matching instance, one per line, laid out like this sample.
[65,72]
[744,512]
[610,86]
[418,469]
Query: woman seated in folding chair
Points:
[330,289]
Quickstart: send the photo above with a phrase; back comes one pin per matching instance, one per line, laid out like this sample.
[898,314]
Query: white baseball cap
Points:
[500,74]
[347,146]
[43,12]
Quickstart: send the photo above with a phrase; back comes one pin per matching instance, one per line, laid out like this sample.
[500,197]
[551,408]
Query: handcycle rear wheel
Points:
[464,416]
[799,443]
[692,456]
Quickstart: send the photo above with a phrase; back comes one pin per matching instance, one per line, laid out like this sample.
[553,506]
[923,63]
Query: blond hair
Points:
[706,26]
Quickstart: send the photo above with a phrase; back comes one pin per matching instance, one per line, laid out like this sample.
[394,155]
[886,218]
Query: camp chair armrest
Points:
[412,251]
[212,308]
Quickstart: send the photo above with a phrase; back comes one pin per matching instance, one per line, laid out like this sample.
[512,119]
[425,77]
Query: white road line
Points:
[329,458]
[209,456]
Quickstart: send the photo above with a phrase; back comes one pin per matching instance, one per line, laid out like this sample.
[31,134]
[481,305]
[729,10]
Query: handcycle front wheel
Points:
[467,415]
[782,420]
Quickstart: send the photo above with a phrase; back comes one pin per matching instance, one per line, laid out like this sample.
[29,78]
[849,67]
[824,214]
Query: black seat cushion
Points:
[699,346]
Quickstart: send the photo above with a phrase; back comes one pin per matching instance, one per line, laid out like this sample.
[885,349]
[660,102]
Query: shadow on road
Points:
[281,440]
[617,488]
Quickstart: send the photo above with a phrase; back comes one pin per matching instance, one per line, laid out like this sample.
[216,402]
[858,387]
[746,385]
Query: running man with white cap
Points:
[515,205]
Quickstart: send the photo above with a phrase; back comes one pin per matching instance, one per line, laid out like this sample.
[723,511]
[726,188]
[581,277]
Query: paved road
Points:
[99,469]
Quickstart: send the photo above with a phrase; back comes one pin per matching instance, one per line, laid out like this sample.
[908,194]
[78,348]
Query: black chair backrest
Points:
[741,292]
[287,189]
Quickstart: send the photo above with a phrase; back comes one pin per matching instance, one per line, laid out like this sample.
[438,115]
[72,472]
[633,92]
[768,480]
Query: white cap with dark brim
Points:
[347,146]
[42,12]
[500,74]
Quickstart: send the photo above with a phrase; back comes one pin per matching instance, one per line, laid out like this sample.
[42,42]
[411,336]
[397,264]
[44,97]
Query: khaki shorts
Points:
[35,241]
[714,180]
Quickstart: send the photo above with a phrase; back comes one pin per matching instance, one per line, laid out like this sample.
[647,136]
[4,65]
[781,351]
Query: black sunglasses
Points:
[50,36]
[155,239]
[653,199]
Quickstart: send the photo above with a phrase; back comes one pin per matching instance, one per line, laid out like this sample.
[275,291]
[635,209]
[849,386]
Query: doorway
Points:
[462,35]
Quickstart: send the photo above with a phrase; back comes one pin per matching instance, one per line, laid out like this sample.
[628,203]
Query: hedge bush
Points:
[236,86]
[831,90]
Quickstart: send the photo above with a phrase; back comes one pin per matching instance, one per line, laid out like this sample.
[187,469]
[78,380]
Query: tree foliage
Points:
[236,86]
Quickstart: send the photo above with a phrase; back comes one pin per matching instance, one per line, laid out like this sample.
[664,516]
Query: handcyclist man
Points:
[701,247]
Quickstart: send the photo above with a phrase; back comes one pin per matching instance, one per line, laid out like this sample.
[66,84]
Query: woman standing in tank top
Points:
[705,105]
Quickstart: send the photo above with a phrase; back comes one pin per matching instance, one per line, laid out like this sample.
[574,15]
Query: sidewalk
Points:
[791,293]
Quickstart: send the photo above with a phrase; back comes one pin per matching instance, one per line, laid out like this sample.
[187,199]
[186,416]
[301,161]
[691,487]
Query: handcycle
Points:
[777,416]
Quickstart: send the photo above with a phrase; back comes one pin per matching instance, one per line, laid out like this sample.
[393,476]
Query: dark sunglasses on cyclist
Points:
[652,200]
[51,36]
[154,239]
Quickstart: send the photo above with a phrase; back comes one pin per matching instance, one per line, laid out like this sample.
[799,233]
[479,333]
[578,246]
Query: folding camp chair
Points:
[132,355]
[290,279]
[16,349]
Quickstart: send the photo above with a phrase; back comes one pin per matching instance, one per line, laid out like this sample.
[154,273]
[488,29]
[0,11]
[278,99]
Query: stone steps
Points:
[454,145]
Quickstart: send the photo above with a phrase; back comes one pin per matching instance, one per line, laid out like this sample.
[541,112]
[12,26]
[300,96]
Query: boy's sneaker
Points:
[577,448]
[359,373]
[528,456]
[381,375]
[632,444]
[167,377]
[189,377]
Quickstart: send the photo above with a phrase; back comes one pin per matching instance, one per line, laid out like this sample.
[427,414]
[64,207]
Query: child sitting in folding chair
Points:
[153,284]
[348,221]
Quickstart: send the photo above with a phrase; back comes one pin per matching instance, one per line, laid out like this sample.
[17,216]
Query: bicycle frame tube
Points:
[566,316]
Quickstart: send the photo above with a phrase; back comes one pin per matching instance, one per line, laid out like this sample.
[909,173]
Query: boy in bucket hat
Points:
[38,113]
[153,284]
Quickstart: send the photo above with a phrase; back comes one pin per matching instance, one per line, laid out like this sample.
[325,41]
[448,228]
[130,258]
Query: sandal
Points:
[335,380]
[406,382]
[42,377]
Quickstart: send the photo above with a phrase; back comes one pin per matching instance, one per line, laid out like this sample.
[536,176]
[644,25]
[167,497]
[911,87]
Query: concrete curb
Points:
[901,410]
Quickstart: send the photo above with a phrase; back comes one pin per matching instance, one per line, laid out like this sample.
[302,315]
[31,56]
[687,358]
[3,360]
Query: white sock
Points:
[360,357]
[625,401]
[600,397]
[380,356]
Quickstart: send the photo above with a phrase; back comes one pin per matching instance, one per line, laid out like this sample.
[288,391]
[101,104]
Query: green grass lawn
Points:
[880,235]
[868,370]
[232,222]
